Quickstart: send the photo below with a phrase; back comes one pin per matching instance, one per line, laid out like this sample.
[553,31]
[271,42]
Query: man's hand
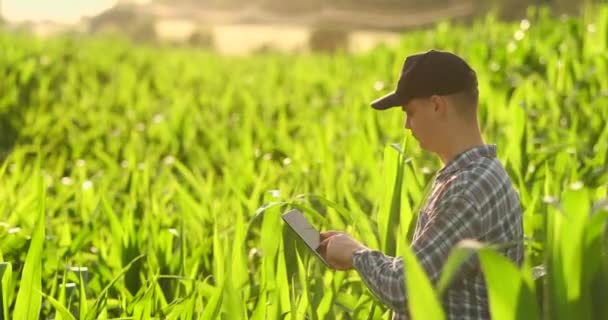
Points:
[337,248]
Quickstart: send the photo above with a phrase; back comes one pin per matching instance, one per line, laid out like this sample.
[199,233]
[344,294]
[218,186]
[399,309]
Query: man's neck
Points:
[461,142]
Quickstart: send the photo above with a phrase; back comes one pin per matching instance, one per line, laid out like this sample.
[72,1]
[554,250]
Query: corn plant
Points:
[143,182]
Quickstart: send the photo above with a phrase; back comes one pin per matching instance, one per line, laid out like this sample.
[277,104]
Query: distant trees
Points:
[124,20]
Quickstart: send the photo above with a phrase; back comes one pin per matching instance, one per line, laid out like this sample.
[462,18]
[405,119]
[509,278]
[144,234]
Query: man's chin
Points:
[423,146]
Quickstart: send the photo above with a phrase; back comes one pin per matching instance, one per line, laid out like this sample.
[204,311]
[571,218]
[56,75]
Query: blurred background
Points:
[244,26]
[150,178]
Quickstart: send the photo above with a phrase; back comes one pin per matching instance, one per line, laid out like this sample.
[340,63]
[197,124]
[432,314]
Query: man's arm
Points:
[383,275]
[453,220]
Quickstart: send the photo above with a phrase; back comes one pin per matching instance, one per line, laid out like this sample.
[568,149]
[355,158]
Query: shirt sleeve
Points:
[452,220]
[383,275]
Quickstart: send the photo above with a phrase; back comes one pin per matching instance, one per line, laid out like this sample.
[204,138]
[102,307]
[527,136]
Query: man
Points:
[472,196]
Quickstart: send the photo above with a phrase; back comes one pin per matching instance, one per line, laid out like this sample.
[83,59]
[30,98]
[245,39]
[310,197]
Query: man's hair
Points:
[466,100]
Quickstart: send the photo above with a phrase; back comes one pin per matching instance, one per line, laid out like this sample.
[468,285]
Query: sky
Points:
[62,11]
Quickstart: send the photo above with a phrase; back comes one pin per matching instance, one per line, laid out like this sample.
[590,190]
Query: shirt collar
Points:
[466,157]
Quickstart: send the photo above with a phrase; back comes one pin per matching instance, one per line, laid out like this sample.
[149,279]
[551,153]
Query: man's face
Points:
[422,118]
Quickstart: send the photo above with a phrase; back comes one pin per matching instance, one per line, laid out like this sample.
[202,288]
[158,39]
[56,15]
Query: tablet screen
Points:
[305,231]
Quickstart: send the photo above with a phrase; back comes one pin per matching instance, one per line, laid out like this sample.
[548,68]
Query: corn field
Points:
[142,182]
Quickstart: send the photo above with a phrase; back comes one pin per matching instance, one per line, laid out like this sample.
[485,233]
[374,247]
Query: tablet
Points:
[305,231]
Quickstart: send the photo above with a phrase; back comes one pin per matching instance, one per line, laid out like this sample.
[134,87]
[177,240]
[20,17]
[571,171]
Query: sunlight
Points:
[62,11]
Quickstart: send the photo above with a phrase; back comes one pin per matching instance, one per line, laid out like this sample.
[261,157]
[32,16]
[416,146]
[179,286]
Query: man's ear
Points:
[439,104]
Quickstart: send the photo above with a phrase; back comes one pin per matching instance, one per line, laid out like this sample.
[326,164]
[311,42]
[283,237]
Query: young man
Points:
[472,196]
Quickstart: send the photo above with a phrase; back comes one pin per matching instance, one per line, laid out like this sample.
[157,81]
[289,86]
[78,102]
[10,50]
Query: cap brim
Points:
[388,101]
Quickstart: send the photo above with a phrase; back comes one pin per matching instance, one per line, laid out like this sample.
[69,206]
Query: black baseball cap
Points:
[426,74]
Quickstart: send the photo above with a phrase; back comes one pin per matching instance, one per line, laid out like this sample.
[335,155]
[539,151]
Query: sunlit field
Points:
[141,182]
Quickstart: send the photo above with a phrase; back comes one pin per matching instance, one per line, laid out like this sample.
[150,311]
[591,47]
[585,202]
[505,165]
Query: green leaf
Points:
[390,212]
[63,311]
[6,272]
[82,293]
[459,254]
[29,300]
[211,309]
[422,298]
[508,294]
[103,294]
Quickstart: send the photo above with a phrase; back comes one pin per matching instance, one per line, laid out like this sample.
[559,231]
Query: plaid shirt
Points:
[472,197]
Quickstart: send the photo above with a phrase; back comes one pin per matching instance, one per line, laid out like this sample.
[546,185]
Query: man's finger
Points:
[322,249]
[329,234]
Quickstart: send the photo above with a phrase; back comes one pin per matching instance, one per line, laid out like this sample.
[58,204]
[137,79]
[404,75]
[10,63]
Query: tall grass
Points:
[164,171]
